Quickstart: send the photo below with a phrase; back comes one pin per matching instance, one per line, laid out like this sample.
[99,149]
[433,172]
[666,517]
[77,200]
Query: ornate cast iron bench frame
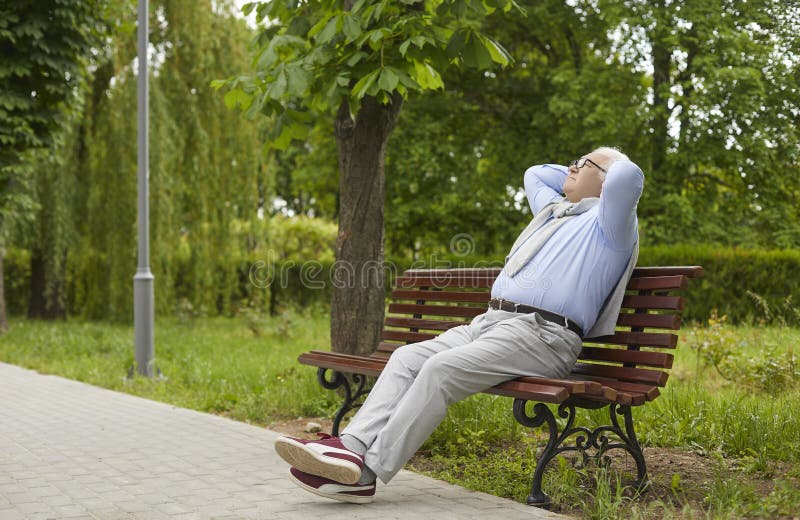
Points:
[619,371]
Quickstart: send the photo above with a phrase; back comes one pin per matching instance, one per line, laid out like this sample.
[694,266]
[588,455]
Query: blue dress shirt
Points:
[578,267]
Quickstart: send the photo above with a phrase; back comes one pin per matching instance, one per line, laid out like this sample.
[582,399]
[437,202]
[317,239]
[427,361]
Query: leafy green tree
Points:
[356,61]
[44,46]
[722,123]
[207,177]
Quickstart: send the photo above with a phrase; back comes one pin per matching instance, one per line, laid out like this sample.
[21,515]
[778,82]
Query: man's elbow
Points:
[625,175]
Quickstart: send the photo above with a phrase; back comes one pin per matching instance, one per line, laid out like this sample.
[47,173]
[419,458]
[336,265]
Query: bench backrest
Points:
[426,302]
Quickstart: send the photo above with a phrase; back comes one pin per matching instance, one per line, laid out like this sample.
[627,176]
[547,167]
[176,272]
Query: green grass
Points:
[215,365]
[734,397]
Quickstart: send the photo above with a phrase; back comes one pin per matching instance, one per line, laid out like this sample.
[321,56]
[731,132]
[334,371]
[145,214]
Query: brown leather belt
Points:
[508,305]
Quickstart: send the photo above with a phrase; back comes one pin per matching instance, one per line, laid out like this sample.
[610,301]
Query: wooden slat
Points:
[443,281]
[570,385]
[692,271]
[435,310]
[649,391]
[342,357]
[643,339]
[385,346]
[348,366]
[640,357]
[634,375]
[635,301]
[656,321]
[576,387]
[533,392]
[645,283]
[418,323]
[442,296]
[631,399]
[401,335]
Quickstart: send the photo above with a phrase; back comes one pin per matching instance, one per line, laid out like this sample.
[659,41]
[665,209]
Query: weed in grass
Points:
[610,499]
[728,497]
[783,501]
[769,367]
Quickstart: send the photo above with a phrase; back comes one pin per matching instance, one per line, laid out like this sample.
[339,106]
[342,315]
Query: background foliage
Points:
[703,95]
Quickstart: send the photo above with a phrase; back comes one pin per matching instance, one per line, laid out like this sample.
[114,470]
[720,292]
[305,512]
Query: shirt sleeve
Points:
[617,210]
[544,183]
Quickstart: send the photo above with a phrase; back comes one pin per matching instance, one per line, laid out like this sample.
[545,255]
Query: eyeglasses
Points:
[580,163]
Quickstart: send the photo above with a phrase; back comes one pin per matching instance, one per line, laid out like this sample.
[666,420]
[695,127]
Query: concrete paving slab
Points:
[72,450]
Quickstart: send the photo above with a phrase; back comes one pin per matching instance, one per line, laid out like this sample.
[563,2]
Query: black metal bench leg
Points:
[541,415]
[632,446]
[589,445]
[350,397]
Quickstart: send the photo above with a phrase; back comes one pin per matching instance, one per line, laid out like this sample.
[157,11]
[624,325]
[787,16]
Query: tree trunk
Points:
[358,275]
[3,317]
[46,294]
[662,60]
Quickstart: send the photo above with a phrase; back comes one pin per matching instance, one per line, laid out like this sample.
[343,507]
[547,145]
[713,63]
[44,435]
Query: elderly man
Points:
[563,280]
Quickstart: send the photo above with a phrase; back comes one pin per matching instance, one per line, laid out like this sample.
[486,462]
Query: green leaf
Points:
[355,58]
[218,83]
[361,87]
[426,76]
[284,138]
[237,97]
[331,29]
[352,29]
[456,43]
[320,25]
[404,47]
[496,51]
[299,26]
[376,38]
[388,80]
[303,117]
[299,79]
[475,54]
[277,88]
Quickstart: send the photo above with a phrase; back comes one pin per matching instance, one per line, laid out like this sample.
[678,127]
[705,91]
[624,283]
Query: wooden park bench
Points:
[620,371]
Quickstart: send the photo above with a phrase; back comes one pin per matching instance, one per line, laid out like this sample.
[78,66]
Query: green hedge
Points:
[746,285]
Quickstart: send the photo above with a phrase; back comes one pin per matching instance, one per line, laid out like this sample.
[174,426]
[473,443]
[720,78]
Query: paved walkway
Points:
[71,450]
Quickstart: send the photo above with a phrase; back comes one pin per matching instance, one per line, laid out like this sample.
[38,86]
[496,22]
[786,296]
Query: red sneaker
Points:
[324,487]
[326,457]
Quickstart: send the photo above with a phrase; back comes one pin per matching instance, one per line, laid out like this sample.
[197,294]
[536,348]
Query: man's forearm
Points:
[551,175]
[543,184]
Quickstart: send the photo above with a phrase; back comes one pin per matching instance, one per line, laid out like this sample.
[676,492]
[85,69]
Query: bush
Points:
[746,285]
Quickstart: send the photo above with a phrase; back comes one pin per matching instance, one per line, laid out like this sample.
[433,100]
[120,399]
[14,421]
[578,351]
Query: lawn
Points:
[721,441]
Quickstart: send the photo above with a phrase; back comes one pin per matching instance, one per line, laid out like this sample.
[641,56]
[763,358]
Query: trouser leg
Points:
[524,345]
[396,378]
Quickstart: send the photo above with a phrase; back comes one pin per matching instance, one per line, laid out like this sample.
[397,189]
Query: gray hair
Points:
[612,155]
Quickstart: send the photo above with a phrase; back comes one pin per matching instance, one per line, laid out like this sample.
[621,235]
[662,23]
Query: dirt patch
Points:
[297,427]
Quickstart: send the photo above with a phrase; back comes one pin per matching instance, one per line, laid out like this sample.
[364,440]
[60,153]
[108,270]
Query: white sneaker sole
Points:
[309,461]
[341,497]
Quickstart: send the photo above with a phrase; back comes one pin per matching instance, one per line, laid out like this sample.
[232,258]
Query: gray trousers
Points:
[411,396]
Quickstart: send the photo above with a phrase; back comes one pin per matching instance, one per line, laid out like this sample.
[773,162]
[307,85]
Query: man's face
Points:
[586,181]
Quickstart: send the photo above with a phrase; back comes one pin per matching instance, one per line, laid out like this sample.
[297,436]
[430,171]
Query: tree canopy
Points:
[719,143]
